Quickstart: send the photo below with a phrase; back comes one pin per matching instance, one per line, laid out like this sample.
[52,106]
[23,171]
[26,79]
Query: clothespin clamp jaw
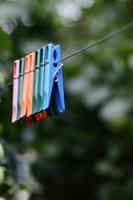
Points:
[53,81]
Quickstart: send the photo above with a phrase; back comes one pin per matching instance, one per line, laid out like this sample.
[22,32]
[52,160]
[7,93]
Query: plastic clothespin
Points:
[30,83]
[25,86]
[15,90]
[41,63]
[20,87]
[36,78]
[58,90]
[53,78]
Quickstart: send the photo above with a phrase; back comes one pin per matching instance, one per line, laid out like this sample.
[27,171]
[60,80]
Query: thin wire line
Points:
[99,41]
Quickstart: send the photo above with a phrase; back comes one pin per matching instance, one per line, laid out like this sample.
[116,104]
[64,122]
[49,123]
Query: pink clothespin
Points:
[15,89]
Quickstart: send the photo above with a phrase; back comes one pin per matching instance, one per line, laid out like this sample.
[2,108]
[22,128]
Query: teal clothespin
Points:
[41,65]
[36,82]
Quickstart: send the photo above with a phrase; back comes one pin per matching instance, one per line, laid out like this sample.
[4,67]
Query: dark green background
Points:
[87,152]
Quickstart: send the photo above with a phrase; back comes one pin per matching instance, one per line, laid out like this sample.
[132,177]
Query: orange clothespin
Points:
[25,86]
[30,83]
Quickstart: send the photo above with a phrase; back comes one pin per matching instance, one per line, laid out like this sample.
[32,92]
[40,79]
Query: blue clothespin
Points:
[53,78]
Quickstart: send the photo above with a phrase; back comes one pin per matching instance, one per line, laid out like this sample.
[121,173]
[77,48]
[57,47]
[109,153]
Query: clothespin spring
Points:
[55,77]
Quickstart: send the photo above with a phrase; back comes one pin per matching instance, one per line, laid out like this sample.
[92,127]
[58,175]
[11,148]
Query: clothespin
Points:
[20,87]
[53,79]
[41,65]
[15,90]
[36,82]
[58,91]
[30,83]
[25,86]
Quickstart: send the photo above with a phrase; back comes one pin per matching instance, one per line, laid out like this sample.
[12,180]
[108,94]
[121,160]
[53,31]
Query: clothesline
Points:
[88,46]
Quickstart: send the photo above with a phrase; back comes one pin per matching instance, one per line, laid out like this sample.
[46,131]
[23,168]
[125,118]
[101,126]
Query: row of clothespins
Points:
[38,90]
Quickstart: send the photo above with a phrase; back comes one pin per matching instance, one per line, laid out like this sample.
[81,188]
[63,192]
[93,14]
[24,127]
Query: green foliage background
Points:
[87,152]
